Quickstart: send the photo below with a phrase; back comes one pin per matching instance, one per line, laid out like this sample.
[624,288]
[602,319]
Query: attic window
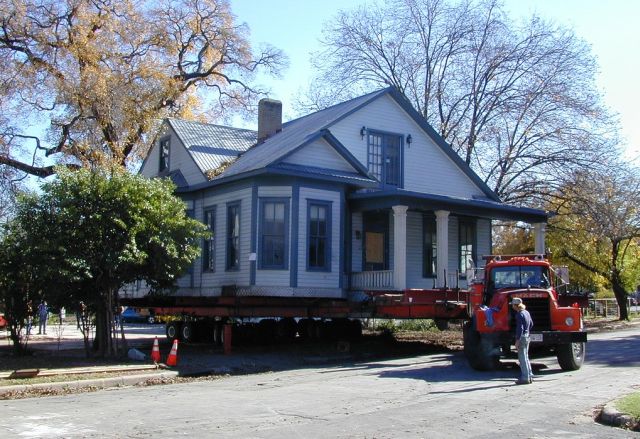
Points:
[165,145]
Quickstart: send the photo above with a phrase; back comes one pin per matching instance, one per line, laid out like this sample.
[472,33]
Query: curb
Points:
[611,416]
[126,380]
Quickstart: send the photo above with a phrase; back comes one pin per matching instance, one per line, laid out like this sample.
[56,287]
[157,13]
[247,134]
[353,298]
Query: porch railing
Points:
[372,280]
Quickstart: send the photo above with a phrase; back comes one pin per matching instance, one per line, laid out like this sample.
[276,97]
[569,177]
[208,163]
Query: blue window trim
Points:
[467,222]
[205,252]
[328,205]
[383,177]
[167,163]
[285,262]
[428,220]
[228,265]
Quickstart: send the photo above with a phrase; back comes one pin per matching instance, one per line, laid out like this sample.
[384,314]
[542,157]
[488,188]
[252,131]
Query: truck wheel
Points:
[173,330]
[442,324]
[571,355]
[186,332]
[479,350]
[151,320]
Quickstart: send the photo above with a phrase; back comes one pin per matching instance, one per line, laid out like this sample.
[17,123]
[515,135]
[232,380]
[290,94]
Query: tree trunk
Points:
[621,297]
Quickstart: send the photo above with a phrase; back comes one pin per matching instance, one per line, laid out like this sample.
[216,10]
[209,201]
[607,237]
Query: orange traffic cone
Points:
[155,351]
[172,359]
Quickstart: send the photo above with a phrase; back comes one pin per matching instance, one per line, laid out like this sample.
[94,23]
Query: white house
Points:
[364,195]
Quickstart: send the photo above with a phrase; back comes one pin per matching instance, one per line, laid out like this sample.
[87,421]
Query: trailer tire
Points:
[172,330]
[478,349]
[442,324]
[186,332]
[571,355]
[218,334]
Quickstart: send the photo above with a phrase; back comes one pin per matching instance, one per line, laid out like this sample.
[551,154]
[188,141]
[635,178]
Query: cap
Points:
[515,301]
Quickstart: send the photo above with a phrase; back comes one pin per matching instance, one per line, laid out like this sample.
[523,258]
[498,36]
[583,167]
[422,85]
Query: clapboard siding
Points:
[179,158]
[415,253]
[211,283]
[265,277]
[484,240]
[427,168]
[319,154]
[319,279]
[356,244]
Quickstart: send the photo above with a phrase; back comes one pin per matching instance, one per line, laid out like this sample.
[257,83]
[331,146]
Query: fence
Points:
[609,308]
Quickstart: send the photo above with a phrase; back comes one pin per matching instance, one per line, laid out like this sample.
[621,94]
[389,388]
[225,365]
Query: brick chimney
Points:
[269,118]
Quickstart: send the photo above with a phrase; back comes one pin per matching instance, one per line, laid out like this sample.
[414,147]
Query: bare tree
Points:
[597,228]
[99,74]
[516,101]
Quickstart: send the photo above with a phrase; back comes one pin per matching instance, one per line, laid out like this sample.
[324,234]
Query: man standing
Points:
[523,329]
[43,315]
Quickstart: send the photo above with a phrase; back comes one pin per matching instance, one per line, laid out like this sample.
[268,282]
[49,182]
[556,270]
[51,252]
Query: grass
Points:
[630,404]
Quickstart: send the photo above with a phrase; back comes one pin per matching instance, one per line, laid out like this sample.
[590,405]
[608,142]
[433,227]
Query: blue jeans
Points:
[526,373]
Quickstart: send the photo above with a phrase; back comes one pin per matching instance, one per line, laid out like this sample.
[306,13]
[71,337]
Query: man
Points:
[43,316]
[523,330]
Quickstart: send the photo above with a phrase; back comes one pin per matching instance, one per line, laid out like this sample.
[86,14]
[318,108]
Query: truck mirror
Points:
[475,275]
[563,274]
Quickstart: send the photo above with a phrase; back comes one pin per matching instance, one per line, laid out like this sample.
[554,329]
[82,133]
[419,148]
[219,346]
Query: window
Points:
[164,153]
[384,158]
[233,236]
[467,234]
[429,247]
[319,241]
[209,247]
[274,227]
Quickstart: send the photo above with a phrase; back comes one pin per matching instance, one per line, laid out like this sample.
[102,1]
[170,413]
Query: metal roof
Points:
[212,145]
[294,134]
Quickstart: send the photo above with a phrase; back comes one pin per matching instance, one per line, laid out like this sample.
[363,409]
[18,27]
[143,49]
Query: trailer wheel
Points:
[442,324]
[173,330]
[479,350]
[218,334]
[186,332]
[571,355]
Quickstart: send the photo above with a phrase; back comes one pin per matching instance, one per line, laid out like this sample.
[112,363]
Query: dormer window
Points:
[165,145]
[384,157]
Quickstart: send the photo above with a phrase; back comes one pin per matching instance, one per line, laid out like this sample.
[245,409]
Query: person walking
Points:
[43,315]
[523,330]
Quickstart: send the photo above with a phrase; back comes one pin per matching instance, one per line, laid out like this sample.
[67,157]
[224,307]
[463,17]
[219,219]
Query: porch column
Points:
[539,231]
[442,251]
[399,247]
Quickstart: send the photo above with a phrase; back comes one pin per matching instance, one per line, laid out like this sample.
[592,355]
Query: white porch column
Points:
[399,247]
[442,252]
[539,231]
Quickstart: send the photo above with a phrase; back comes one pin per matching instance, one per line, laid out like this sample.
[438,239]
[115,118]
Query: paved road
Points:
[435,396]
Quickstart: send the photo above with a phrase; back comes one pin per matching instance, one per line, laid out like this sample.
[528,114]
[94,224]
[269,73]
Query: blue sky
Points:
[611,27]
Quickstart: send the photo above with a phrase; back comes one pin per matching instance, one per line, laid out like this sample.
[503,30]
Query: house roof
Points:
[462,206]
[210,145]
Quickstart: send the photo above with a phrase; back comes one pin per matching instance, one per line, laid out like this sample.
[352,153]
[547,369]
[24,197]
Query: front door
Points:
[376,240]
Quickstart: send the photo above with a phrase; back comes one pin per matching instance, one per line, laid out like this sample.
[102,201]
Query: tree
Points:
[516,101]
[100,74]
[597,229]
[90,233]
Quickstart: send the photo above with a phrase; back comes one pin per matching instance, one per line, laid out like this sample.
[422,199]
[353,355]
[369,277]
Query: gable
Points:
[319,154]
[426,167]
[180,161]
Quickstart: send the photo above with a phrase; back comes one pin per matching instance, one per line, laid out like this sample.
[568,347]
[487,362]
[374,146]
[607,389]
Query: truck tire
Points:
[173,330]
[478,349]
[571,355]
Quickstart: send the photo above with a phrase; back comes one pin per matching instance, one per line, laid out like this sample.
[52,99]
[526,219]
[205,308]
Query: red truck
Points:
[556,314]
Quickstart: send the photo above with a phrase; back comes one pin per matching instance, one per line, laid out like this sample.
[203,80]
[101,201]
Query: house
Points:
[364,195]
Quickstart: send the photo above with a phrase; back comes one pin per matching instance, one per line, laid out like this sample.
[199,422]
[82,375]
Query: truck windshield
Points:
[520,277]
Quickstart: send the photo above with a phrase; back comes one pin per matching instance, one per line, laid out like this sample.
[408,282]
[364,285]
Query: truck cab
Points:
[556,315]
